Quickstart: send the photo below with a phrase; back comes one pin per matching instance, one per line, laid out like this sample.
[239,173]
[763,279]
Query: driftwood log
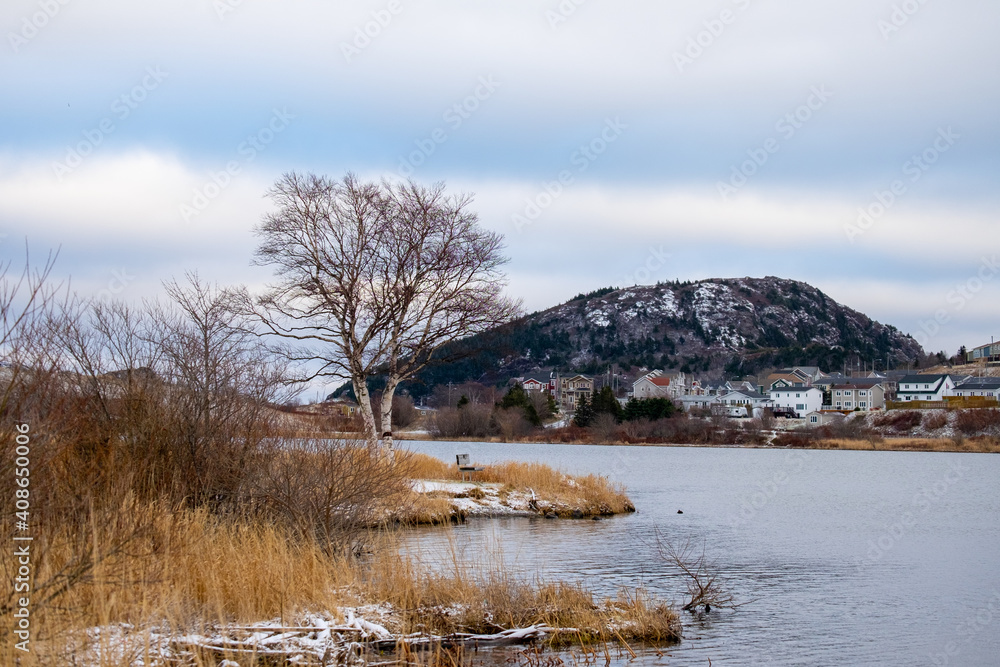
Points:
[337,645]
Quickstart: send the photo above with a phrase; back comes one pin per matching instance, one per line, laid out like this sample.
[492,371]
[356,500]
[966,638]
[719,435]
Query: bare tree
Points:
[222,381]
[704,587]
[374,278]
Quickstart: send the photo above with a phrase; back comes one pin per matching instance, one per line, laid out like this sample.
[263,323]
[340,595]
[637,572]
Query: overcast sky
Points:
[613,143]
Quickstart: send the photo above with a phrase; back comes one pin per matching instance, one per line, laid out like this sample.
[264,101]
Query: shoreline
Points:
[890,444]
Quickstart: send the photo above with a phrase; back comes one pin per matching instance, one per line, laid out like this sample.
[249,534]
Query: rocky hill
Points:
[711,327]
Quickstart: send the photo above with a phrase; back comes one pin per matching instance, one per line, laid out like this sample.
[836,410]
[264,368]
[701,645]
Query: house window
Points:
[800,406]
[848,404]
[862,393]
[838,392]
[927,386]
[863,404]
[813,419]
[838,404]
[796,396]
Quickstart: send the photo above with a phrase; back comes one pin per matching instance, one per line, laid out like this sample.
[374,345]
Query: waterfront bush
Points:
[980,421]
[900,421]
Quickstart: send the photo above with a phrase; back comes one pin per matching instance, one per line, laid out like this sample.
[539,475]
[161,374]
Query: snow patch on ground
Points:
[480,499]
[599,318]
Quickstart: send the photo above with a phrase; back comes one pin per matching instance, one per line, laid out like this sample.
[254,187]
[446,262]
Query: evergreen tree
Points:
[584,412]
[648,408]
[517,397]
[463,401]
[605,402]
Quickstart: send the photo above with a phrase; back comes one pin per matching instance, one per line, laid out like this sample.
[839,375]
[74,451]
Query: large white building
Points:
[925,387]
[802,400]
[660,384]
[987,387]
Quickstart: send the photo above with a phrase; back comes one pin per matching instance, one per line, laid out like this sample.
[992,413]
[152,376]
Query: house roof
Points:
[660,382]
[797,389]
[922,379]
[739,383]
[827,413]
[749,394]
[864,383]
[979,383]
[791,378]
[854,385]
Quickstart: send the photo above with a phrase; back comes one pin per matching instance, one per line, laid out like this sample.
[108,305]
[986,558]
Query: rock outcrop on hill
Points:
[710,327]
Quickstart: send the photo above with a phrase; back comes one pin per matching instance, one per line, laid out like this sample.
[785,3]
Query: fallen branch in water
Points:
[704,587]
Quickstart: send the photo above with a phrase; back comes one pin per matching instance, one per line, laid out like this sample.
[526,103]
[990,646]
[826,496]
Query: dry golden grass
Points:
[487,598]
[209,571]
[983,445]
[424,466]
[590,494]
[423,509]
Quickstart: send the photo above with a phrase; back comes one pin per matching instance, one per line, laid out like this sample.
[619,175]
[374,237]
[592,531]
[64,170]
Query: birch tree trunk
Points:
[386,415]
[365,406]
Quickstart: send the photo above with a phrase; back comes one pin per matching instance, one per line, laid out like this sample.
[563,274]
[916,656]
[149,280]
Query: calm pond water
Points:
[847,558]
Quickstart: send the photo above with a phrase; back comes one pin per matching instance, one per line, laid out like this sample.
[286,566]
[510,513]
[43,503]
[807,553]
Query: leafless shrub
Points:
[510,423]
[751,431]
[704,586]
[604,428]
[328,490]
[853,429]
[767,420]
[540,401]
[637,429]
[935,421]
[977,421]
[899,421]
[404,412]
[469,421]
[799,438]
[447,396]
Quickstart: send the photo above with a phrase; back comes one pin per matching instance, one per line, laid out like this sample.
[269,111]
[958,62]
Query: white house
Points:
[800,399]
[750,399]
[651,387]
[925,387]
[988,387]
[696,401]
[660,384]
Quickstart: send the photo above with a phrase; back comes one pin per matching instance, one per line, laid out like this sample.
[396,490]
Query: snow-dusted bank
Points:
[314,639]
[198,588]
[507,489]
[472,499]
